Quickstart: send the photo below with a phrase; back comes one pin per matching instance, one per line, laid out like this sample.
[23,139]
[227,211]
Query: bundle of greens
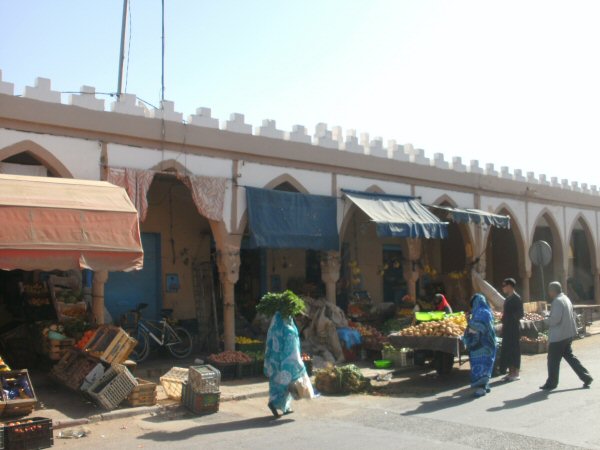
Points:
[286,303]
[341,380]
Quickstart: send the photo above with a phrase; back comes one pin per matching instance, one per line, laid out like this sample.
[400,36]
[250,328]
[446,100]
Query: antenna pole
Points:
[122,51]
[162,94]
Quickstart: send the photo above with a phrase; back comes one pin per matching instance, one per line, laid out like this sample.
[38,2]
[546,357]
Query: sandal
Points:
[273,410]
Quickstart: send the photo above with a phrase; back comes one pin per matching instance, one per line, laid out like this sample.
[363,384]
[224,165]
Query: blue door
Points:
[125,290]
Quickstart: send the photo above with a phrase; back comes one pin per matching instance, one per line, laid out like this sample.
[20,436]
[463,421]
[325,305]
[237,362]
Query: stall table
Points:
[444,348]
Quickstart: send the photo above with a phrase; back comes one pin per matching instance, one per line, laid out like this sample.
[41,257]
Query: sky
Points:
[514,83]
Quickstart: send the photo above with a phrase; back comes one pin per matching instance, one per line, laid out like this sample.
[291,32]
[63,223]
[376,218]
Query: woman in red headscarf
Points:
[441,304]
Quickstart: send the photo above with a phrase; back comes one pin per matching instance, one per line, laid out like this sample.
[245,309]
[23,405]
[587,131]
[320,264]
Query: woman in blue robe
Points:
[283,362]
[480,340]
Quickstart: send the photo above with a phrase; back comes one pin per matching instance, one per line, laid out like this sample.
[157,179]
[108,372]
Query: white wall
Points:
[80,156]
[430,196]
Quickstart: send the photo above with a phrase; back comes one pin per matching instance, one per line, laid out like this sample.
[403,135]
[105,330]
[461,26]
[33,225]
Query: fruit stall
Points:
[437,337]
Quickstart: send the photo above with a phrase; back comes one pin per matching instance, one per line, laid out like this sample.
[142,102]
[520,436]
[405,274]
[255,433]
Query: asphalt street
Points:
[422,412]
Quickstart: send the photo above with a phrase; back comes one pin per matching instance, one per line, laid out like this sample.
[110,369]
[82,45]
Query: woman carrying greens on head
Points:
[283,361]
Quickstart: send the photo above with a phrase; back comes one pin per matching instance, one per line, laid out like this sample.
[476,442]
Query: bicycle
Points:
[177,340]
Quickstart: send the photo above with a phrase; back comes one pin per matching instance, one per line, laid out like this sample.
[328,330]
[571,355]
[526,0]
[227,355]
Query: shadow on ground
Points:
[215,428]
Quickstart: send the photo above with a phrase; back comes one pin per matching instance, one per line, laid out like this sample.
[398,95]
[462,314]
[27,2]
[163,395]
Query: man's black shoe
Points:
[547,388]
[586,383]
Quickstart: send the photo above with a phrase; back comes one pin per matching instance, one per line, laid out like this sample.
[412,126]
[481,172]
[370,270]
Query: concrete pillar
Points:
[525,289]
[597,286]
[228,261]
[330,273]
[413,273]
[100,279]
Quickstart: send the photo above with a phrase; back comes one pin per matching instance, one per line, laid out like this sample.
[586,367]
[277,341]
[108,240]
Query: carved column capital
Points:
[228,262]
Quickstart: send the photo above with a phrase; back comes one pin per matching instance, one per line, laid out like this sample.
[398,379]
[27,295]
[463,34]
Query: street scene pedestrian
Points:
[563,329]
[480,341]
[510,355]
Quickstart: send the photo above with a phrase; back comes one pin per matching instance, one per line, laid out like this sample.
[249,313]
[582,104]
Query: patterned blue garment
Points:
[480,340]
[283,362]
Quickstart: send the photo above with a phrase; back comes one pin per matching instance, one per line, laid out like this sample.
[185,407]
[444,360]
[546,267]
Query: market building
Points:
[230,211]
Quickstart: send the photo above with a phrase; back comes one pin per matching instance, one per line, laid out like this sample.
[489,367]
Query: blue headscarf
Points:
[480,340]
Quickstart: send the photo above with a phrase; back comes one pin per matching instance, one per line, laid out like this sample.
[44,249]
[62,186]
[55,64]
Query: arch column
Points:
[413,273]
[228,261]
[100,279]
[597,286]
[330,273]
[525,288]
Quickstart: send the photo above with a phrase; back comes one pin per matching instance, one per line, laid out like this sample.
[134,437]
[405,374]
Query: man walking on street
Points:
[563,329]
[510,356]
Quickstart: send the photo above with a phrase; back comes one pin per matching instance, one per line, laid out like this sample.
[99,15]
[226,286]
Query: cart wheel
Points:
[443,362]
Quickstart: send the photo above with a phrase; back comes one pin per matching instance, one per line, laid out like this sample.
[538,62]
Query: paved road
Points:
[442,413]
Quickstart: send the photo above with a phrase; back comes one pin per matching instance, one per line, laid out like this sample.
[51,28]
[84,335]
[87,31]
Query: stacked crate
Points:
[201,393]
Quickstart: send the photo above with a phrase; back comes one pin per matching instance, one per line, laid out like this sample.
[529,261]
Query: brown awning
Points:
[62,224]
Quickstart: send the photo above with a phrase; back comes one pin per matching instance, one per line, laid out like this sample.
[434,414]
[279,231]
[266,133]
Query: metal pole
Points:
[543,282]
[122,52]
[162,96]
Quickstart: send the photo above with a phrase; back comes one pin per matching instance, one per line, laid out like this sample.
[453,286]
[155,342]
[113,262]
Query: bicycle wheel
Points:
[142,348]
[183,348]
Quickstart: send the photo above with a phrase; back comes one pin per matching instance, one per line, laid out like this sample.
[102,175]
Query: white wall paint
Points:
[363,184]
[430,196]
[80,156]
[146,158]
[536,211]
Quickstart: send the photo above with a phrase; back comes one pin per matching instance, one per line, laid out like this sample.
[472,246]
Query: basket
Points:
[144,394]
[20,406]
[113,387]
[173,380]
[111,344]
[204,379]
[36,433]
[200,404]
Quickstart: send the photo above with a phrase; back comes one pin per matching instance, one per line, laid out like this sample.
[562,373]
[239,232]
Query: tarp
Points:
[399,216]
[63,224]
[495,298]
[475,216]
[279,219]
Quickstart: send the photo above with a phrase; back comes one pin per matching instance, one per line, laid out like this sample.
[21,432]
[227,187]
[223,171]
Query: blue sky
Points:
[509,82]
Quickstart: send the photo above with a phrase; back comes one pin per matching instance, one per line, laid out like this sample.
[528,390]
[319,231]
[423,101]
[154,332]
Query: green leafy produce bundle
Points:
[286,303]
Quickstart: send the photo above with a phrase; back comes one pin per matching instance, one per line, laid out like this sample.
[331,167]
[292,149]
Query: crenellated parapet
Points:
[334,139]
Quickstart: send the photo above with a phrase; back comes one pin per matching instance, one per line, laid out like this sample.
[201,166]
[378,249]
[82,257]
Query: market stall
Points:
[58,240]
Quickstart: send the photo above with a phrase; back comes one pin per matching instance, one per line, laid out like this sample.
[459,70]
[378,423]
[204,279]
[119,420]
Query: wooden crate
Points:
[55,349]
[111,344]
[72,369]
[21,406]
[144,394]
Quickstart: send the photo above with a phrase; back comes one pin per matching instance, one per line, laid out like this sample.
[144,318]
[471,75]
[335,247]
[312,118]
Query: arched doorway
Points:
[582,260]
[504,253]
[449,259]
[547,230]
[175,237]
[28,158]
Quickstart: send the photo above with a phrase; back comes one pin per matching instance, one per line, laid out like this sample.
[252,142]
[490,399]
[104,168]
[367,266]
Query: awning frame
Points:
[475,216]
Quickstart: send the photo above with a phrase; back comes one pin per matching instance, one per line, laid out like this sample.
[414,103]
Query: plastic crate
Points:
[1,437]
[245,370]
[35,433]
[173,380]
[228,371]
[18,406]
[204,379]
[113,387]
[200,404]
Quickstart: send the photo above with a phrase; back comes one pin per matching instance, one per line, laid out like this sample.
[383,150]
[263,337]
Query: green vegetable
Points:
[286,303]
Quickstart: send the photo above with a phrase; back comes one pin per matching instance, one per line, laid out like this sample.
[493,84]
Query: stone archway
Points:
[582,280]
[31,151]
[546,229]
[505,253]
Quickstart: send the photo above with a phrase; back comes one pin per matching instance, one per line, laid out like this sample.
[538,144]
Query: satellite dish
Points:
[540,253]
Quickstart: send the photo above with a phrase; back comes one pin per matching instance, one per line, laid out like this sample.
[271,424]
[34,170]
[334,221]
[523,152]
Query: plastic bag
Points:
[302,388]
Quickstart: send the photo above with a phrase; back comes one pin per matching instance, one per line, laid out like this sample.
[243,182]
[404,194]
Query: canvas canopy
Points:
[63,224]
[280,219]
[475,216]
[399,216]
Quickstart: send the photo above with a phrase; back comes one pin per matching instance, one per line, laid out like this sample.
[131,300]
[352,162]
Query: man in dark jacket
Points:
[510,357]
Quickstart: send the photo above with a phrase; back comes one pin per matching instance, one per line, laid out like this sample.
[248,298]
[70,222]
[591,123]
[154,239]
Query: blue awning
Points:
[399,216]
[475,216]
[279,219]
